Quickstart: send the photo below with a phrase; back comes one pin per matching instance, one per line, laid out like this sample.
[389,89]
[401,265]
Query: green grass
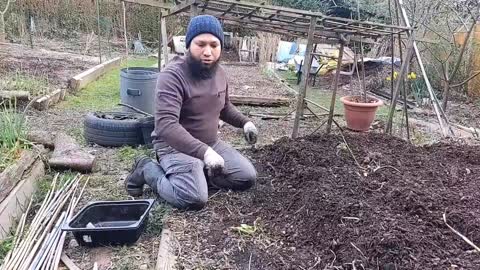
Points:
[35,85]
[128,153]
[103,94]
[156,218]
[5,247]
[13,134]
[323,97]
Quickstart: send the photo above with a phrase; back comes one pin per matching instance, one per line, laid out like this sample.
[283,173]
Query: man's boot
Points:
[144,171]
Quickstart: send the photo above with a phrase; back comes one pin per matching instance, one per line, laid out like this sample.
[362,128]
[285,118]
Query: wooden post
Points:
[400,79]
[306,71]
[193,10]
[29,23]
[164,39]
[99,34]
[160,41]
[335,86]
[441,116]
[125,29]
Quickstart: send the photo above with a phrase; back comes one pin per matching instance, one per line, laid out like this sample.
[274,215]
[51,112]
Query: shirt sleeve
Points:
[231,115]
[168,104]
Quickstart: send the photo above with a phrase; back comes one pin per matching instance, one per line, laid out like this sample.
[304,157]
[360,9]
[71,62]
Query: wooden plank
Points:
[20,95]
[79,81]
[259,101]
[47,101]
[180,8]
[164,40]
[152,3]
[165,258]
[14,205]
[303,13]
[12,174]
[159,65]
[305,73]
[68,262]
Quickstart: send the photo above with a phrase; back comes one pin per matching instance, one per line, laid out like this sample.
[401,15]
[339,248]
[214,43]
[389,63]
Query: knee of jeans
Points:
[194,201]
[248,178]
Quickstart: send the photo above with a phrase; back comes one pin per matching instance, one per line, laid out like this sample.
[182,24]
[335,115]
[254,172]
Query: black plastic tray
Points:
[114,222]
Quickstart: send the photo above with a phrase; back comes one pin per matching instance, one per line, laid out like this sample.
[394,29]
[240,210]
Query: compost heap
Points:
[386,212]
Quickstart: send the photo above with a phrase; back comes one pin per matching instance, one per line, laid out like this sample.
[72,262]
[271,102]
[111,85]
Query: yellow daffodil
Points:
[395,75]
[412,76]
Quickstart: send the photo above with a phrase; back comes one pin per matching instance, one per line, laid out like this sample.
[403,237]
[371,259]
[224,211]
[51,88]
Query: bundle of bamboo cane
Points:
[41,245]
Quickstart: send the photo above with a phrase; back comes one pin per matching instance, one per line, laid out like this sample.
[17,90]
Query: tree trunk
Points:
[446,94]
[3,35]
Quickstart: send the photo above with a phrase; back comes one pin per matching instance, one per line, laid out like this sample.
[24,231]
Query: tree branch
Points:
[462,50]
[467,80]
[6,7]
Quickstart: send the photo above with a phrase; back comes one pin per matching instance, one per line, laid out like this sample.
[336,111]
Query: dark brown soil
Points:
[316,209]
[57,67]
[253,81]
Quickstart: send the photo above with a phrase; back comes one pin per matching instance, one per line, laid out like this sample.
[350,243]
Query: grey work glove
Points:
[250,132]
[214,163]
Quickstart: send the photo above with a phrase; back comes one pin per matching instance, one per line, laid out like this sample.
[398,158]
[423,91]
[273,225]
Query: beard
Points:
[200,70]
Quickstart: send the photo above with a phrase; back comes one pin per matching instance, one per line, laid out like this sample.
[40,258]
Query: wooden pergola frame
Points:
[315,26]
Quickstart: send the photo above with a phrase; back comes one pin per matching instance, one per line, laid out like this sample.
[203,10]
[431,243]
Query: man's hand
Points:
[214,163]
[250,132]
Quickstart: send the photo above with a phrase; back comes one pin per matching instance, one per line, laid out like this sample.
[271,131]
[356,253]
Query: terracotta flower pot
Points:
[358,114]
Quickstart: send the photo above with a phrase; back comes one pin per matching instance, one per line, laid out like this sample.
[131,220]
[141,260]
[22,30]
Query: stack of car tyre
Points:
[114,129]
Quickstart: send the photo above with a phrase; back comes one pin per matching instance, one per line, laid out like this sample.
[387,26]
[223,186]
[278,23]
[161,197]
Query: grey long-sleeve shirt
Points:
[188,110]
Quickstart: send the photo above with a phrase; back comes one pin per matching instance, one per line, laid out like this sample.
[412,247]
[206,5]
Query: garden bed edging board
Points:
[14,196]
[81,80]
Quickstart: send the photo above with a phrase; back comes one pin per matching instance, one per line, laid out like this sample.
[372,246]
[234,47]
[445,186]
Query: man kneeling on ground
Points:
[191,98]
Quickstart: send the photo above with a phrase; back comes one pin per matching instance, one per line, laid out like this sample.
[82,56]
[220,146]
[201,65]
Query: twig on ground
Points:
[316,263]
[358,249]
[334,258]
[384,167]
[378,189]
[250,262]
[459,234]
[348,146]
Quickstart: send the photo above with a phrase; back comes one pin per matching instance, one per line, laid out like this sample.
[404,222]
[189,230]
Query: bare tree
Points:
[2,20]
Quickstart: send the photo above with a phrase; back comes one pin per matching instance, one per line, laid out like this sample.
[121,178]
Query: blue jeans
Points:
[185,183]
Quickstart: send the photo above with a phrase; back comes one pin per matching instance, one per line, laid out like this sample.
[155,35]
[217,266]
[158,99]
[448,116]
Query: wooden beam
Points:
[305,13]
[160,41]
[259,101]
[206,4]
[152,3]
[306,71]
[228,10]
[14,204]
[399,83]
[81,80]
[165,258]
[275,22]
[181,8]
[335,87]
[19,95]
[68,262]
[194,10]
[164,39]
[249,14]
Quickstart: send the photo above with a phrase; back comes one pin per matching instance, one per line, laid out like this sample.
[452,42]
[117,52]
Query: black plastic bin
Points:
[110,222]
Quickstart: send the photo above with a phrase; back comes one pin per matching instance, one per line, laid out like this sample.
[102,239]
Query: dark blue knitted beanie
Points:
[201,25]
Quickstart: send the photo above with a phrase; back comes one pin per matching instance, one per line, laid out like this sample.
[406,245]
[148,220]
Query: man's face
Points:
[206,48]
